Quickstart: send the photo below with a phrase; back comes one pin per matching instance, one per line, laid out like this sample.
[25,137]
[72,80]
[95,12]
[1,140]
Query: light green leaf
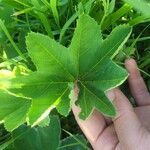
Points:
[45,122]
[50,57]
[87,62]
[108,49]
[141,5]
[85,43]
[109,76]
[13,110]
[112,6]
[45,94]
[64,104]
[43,105]
[53,5]
[91,98]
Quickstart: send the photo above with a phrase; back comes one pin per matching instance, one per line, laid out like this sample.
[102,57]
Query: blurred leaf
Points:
[53,5]
[71,143]
[112,6]
[39,138]
[141,5]
[13,110]
[112,18]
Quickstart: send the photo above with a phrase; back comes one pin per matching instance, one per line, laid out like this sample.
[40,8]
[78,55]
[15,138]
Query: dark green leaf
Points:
[46,138]
[71,143]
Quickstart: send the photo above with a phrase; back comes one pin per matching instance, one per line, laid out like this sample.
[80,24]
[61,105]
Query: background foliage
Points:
[57,19]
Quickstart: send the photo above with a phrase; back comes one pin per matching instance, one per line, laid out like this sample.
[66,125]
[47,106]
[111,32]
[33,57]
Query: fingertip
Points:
[76,110]
[120,101]
[130,63]
[132,68]
[111,94]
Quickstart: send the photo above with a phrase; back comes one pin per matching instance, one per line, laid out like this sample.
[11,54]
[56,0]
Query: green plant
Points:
[86,63]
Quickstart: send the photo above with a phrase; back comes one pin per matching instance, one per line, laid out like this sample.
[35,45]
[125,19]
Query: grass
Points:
[58,20]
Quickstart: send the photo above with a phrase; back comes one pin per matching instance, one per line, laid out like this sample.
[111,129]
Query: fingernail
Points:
[111,95]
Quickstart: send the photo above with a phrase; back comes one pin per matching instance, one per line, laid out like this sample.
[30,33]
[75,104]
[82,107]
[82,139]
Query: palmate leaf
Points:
[87,62]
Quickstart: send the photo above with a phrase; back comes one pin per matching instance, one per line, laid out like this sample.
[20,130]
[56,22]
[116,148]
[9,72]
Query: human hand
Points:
[130,129]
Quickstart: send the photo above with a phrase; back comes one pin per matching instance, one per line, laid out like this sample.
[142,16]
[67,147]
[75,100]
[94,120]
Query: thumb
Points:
[126,122]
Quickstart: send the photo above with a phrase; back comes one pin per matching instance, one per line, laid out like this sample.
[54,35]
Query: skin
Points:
[130,129]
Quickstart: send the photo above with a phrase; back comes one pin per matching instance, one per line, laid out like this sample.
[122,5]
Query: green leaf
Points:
[46,94]
[5,30]
[53,5]
[86,42]
[103,79]
[70,143]
[43,17]
[64,105]
[112,6]
[45,122]
[46,138]
[90,98]
[141,5]
[112,18]
[50,57]
[5,13]
[87,62]
[13,110]
[109,48]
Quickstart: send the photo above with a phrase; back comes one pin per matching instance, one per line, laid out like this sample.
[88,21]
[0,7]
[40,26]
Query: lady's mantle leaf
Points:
[86,62]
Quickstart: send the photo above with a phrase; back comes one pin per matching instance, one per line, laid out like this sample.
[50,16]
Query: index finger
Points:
[91,127]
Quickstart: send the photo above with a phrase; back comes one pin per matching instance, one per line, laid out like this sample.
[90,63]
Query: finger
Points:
[108,121]
[108,140]
[126,123]
[96,131]
[143,114]
[136,83]
[92,127]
